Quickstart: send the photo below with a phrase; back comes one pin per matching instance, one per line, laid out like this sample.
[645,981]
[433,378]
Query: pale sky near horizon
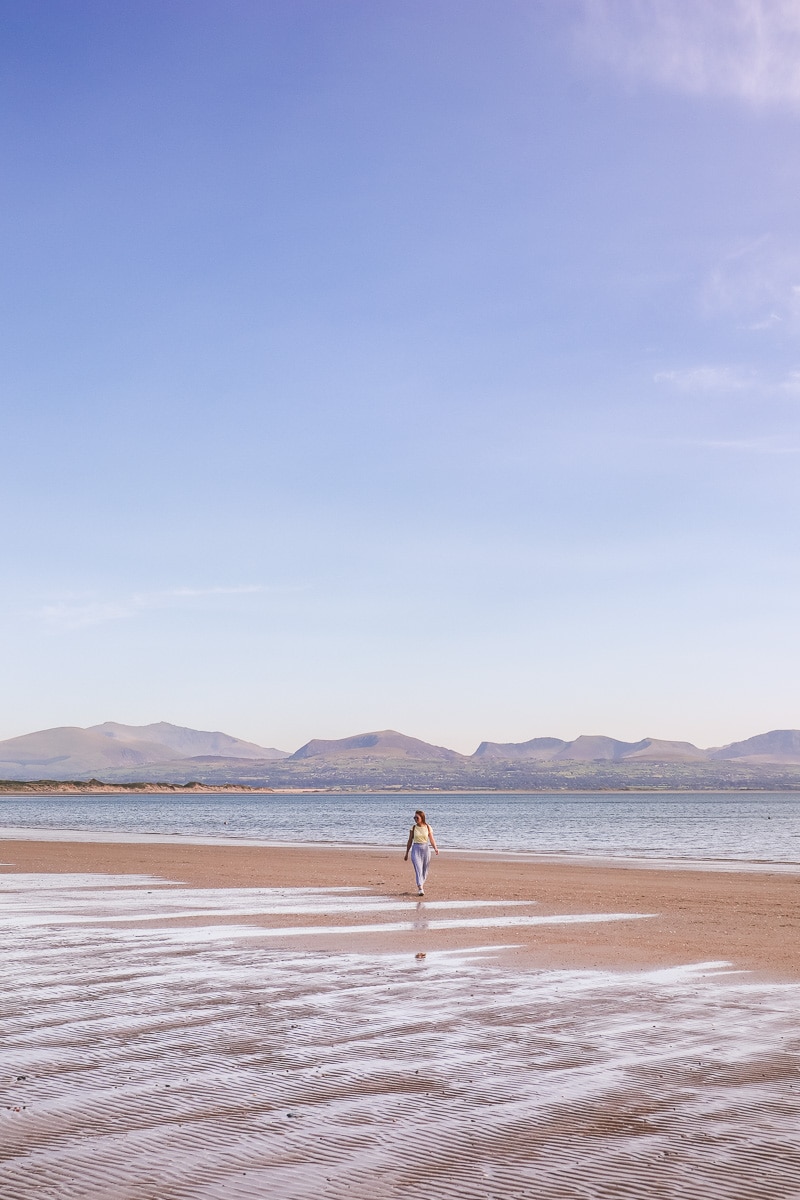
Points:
[419,365]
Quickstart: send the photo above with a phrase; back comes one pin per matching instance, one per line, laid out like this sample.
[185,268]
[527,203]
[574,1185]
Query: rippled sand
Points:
[163,1042]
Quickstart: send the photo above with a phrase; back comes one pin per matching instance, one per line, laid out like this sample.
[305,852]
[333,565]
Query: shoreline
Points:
[33,788]
[589,915]
[47,833]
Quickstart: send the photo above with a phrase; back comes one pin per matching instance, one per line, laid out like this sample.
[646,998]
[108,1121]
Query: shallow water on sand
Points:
[208,1061]
[693,826]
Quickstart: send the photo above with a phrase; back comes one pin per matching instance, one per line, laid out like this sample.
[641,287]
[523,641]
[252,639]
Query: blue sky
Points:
[432,366]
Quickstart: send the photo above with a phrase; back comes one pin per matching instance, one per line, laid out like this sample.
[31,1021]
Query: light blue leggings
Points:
[420,861]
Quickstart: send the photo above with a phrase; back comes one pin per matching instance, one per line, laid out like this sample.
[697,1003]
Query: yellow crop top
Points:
[421,833]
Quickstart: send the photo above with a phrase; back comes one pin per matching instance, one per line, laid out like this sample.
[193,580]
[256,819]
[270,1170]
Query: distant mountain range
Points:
[594,749]
[781,746]
[175,754]
[69,752]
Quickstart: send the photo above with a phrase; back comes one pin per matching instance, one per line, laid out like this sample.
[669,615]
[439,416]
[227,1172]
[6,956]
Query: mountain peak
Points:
[185,742]
[777,746]
[386,744]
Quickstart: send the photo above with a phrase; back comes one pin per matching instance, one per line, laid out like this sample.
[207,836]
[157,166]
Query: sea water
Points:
[727,827]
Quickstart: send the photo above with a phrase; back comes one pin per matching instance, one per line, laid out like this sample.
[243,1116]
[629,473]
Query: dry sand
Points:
[217,1022]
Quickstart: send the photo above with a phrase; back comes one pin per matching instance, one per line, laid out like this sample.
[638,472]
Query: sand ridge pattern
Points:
[149,1060]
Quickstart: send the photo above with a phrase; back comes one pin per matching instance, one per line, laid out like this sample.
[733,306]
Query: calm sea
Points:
[755,828]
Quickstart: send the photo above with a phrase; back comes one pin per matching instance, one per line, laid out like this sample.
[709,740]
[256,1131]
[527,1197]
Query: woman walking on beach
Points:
[420,842]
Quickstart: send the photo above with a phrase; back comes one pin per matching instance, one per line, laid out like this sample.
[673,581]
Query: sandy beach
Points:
[202,1020]
[751,919]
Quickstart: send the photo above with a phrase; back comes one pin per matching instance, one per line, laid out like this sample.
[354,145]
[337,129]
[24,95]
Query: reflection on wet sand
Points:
[202,1062]
[420,923]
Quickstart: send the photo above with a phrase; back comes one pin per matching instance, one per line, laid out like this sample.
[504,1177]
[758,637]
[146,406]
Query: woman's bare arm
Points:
[433,839]
[410,841]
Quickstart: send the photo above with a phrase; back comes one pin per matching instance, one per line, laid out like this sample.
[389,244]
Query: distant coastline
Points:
[75,787]
[49,787]
[176,759]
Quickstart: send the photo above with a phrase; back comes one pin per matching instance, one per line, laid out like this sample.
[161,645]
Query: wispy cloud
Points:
[768,322]
[748,50]
[768,444]
[791,384]
[724,380]
[243,590]
[78,611]
[758,283]
[707,379]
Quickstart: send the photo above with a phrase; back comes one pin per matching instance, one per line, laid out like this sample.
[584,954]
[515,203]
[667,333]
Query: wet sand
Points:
[751,919]
[193,1022]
